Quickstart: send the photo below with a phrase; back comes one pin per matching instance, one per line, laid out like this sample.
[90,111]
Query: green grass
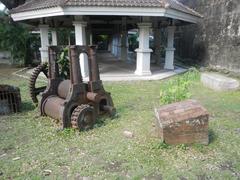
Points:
[104,152]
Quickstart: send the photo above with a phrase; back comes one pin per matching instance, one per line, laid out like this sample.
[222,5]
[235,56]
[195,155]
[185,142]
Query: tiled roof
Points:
[43,4]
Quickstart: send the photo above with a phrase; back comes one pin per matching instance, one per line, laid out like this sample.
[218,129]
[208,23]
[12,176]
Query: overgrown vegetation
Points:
[13,38]
[177,89]
[63,62]
[32,147]
[16,39]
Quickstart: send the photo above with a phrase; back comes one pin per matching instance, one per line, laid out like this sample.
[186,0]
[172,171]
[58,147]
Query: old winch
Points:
[71,101]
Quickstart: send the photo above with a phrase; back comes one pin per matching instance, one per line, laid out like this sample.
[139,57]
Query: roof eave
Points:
[108,11]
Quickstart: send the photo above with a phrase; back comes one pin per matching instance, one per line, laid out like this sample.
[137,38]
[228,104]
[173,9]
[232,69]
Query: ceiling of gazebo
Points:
[33,9]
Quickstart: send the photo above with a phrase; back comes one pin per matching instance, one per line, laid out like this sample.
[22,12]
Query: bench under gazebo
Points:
[114,18]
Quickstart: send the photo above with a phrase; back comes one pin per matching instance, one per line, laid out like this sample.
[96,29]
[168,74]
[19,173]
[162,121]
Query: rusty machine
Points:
[71,101]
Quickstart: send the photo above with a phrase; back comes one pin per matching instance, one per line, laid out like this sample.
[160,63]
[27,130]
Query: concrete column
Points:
[143,52]
[116,46]
[169,57]
[124,38]
[89,36]
[110,44]
[124,47]
[54,38]
[44,42]
[80,38]
[157,44]
[113,45]
[119,46]
[91,39]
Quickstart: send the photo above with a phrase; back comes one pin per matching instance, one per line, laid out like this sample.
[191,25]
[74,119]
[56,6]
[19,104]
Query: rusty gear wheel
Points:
[83,117]
[35,91]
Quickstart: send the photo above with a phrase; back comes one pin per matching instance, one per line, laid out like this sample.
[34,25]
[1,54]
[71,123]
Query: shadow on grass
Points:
[212,136]
[104,120]
[27,106]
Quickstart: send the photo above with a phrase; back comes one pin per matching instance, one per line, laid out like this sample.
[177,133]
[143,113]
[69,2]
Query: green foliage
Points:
[161,145]
[133,42]
[13,38]
[177,89]
[63,61]
[64,36]
[66,133]
[183,147]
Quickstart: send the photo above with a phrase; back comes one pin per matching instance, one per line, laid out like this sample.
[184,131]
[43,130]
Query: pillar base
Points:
[143,73]
[143,62]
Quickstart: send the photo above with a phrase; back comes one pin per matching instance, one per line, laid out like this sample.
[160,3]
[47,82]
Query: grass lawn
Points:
[31,147]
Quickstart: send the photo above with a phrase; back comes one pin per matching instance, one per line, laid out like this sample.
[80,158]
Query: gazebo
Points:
[109,17]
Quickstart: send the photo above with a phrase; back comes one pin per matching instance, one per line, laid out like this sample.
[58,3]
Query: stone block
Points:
[219,82]
[182,123]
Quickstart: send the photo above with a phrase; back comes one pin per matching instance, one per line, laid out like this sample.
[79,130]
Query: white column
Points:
[44,42]
[54,38]
[80,38]
[143,52]
[169,57]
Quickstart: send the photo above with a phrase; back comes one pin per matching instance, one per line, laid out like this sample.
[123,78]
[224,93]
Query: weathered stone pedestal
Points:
[182,123]
[219,82]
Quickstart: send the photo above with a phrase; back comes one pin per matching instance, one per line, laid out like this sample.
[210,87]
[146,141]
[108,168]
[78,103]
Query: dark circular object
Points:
[83,117]
[35,91]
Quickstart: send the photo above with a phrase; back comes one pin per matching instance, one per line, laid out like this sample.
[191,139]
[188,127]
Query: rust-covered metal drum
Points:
[53,107]
[64,88]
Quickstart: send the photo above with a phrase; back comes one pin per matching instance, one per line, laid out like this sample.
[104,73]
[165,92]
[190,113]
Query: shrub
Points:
[177,89]
[63,62]
[13,38]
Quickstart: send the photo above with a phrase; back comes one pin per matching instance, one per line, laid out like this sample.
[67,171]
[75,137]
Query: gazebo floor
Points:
[112,69]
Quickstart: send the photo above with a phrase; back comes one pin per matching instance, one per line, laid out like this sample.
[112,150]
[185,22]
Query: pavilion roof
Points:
[34,5]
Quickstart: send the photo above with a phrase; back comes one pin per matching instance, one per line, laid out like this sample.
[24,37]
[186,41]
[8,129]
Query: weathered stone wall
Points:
[215,41]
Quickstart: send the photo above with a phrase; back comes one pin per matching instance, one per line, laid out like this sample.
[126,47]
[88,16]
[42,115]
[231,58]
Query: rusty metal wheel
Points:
[33,89]
[83,117]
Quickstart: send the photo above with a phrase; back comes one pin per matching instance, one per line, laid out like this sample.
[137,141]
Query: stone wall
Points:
[215,41]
